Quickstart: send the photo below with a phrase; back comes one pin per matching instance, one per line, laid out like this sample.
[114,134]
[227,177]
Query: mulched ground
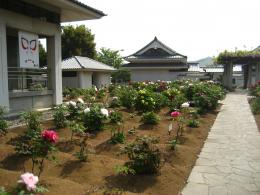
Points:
[97,175]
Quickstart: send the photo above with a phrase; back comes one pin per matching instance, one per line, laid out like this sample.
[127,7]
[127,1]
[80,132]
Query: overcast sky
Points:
[196,28]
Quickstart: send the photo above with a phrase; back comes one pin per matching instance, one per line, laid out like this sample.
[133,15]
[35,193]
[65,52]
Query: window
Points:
[69,74]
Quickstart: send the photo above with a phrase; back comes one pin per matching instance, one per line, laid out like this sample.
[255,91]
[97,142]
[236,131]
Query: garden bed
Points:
[97,175]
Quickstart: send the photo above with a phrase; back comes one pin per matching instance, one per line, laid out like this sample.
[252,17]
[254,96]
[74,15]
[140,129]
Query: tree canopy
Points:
[110,57]
[77,41]
[42,55]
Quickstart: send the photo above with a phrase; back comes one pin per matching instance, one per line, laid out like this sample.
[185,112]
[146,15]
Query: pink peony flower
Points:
[50,135]
[29,180]
[175,114]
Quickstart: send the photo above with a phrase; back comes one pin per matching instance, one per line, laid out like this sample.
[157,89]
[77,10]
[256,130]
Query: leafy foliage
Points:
[3,122]
[110,57]
[116,117]
[117,136]
[93,120]
[77,41]
[150,118]
[59,116]
[145,157]
[193,123]
[121,76]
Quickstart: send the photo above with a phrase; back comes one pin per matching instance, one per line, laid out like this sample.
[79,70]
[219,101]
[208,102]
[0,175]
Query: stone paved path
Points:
[229,163]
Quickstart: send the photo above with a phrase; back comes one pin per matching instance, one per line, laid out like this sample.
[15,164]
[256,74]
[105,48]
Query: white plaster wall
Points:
[72,82]
[154,75]
[101,79]
[85,79]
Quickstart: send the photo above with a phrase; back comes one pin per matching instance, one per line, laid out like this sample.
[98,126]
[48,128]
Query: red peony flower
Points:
[175,114]
[50,135]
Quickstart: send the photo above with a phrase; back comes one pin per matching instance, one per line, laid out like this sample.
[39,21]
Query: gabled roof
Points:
[84,63]
[157,50]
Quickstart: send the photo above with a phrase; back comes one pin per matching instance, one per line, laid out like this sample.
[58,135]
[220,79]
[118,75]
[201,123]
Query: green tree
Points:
[110,57]
[77,41]
[42,55]
[121,76]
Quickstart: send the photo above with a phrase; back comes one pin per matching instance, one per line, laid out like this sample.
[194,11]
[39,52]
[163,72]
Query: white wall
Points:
[154,75]
[85,79]
[72,82]
[101,79]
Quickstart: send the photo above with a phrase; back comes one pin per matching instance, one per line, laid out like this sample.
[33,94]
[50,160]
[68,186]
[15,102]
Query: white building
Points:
[83,72]
[22,23]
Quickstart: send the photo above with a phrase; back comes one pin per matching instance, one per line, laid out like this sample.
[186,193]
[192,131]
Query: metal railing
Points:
[22,79]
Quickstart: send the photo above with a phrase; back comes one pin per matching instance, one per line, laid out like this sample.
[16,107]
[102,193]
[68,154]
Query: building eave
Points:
[73,10]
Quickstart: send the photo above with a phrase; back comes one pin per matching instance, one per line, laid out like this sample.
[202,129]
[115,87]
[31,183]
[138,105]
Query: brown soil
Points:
[97,176]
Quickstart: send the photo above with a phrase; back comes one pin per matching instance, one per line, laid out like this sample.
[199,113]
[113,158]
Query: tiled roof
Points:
[84,63]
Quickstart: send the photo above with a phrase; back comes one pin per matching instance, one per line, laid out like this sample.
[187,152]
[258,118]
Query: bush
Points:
[193,123]
[3,122]
[116,117]
[76,127]
[117,137]
[32,120]
[255,105]
[150,118]
[93,120]
[145,101]
[59,116]
[176,102]
[127,96]
[144,155]
[115,102]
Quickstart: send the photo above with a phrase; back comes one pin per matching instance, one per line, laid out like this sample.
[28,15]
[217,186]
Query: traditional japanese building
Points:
[156,61]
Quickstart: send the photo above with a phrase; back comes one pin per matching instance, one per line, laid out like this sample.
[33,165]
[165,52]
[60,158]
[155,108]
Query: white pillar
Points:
[54,64]
[4,94]
[257,73]
[228,76]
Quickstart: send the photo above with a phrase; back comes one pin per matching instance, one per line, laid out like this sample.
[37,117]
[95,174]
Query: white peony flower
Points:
[73,103]
[185,105]
[93,98]
[67,103]
[87,110]
[80,101]
[95,88]
[104,112]
[114,98]
[190,84]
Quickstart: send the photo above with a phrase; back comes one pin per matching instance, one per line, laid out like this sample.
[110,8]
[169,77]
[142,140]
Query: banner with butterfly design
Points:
[28,50]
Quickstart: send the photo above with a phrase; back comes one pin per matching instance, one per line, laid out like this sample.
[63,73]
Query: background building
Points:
[83,72]
[156,61]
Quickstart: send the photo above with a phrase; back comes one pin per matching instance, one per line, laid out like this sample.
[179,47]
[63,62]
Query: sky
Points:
[195,28]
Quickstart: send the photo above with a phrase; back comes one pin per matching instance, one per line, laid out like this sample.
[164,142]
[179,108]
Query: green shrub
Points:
[116,117]
[93,120]
[3,122]
[32,120]
[176,102]
[150,118]
[117,137]
[144,155]
[127,96]
[76,127]
[255,105]
[115,102]
[193,123]
[145,101]
[59,116]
